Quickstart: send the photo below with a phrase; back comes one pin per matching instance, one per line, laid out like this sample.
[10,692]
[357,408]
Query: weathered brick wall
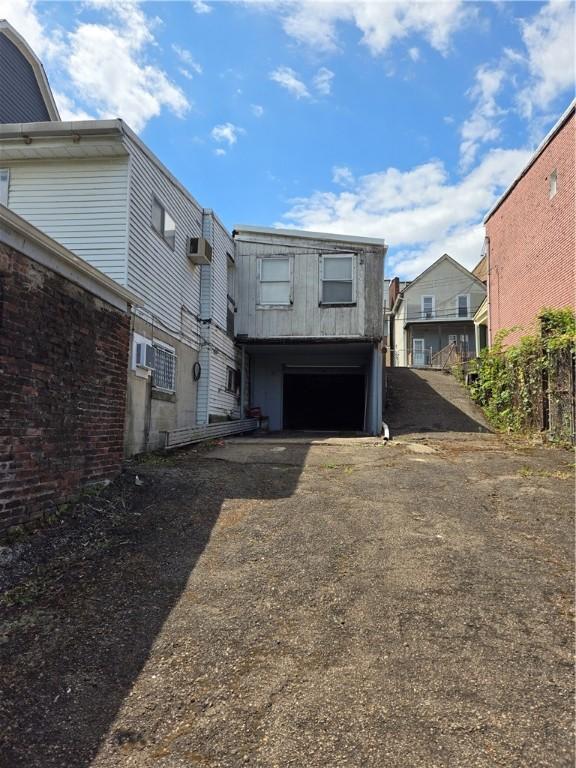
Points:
[532,241]
[63,370]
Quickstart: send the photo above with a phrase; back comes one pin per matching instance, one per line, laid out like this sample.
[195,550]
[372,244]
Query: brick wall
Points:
[532,241]
[63,370]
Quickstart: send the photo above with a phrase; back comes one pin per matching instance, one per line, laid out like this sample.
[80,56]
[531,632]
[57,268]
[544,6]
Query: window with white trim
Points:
[275,281]
[464,305]
[164,371]
[337,277]
[4,184]
[553,183]
[163,223]
[428,307]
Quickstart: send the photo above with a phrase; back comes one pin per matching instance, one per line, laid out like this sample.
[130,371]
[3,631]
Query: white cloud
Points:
[288,79]
[420,211]
[187,59]
[550,45]
[219,152]
[342,175]
[414,54]
[257,110]
[381,23]
[201,7]
[104,66]
[68,109]
[482,124]
[226,133]
[323,81]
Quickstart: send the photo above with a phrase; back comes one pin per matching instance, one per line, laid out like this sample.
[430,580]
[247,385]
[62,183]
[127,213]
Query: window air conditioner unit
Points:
[199,250]
[144,355]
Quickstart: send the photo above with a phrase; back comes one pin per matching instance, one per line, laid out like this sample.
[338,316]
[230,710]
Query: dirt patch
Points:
[326,605]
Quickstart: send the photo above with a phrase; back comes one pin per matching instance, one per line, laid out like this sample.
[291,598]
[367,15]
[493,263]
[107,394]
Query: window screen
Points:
[463,306]
[428,306]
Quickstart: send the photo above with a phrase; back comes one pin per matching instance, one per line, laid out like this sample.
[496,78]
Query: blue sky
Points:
[392,119]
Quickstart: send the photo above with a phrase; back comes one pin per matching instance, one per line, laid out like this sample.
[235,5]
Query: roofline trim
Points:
[552,133]
[303,233]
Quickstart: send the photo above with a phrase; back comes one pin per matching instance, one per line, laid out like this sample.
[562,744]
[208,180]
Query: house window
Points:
[163,223]
[553,183]
[428,303]
[464,305]
[164,371]
[232,380]
[275,281]
[452,339]
[4,182]
[337,279]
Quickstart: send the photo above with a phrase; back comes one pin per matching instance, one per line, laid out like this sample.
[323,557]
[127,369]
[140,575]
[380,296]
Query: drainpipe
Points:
[242,382]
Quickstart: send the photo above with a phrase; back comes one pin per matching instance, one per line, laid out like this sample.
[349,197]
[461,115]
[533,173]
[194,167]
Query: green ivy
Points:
[511,382]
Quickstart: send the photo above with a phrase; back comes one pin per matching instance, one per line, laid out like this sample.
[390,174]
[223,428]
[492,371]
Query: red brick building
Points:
[64,336]
[531,236]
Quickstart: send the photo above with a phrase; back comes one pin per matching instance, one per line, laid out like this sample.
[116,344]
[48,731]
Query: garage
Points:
[324,400]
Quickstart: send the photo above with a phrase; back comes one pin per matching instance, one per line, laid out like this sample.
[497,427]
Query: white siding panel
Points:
[163,277]
[82,204]
[223,355]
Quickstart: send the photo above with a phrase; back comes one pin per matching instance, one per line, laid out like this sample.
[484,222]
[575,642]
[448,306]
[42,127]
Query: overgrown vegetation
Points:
[530,386]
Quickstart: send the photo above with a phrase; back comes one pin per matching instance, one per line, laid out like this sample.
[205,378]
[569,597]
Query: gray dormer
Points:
[25,95]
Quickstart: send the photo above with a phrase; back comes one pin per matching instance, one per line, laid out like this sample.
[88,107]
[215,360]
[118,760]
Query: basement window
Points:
[4,182]
[337,276]
[164,372]
[553,183]
[163,223]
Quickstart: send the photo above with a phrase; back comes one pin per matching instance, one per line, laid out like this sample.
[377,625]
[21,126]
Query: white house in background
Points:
[96,188]
[432,316]
[309,322]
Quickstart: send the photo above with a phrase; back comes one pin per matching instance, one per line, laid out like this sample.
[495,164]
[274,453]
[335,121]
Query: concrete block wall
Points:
[532,241]
[63,370]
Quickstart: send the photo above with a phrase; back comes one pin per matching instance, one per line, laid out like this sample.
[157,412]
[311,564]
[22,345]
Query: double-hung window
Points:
[164,371]
[337,276]
[163,223]
[464,305]
[428,307]
[275,281]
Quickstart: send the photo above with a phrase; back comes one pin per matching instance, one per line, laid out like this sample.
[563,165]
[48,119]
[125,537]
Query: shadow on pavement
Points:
[416,406]
[70,658]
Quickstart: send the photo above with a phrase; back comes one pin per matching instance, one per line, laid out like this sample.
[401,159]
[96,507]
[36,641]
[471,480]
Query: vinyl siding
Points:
[163,277]
[80,203]
[223,355]
[21,100]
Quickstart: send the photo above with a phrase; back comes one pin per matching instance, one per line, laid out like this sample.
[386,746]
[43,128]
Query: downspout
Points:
[243,382]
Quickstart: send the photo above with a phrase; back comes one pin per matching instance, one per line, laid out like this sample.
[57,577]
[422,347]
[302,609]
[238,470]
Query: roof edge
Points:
[552,133]
[304,233]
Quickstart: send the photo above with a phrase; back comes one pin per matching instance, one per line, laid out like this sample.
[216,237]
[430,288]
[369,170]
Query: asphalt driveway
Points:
[291,603]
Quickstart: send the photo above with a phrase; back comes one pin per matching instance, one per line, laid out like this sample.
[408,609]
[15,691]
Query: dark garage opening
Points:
[324,401]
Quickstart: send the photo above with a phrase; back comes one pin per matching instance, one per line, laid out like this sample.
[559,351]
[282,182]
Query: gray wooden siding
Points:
[21,99]
[163,276]
[80,203]
[445,282]
[223,355]
[306,317]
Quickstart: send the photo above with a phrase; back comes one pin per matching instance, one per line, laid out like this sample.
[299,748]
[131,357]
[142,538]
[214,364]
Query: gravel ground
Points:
[290,603]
